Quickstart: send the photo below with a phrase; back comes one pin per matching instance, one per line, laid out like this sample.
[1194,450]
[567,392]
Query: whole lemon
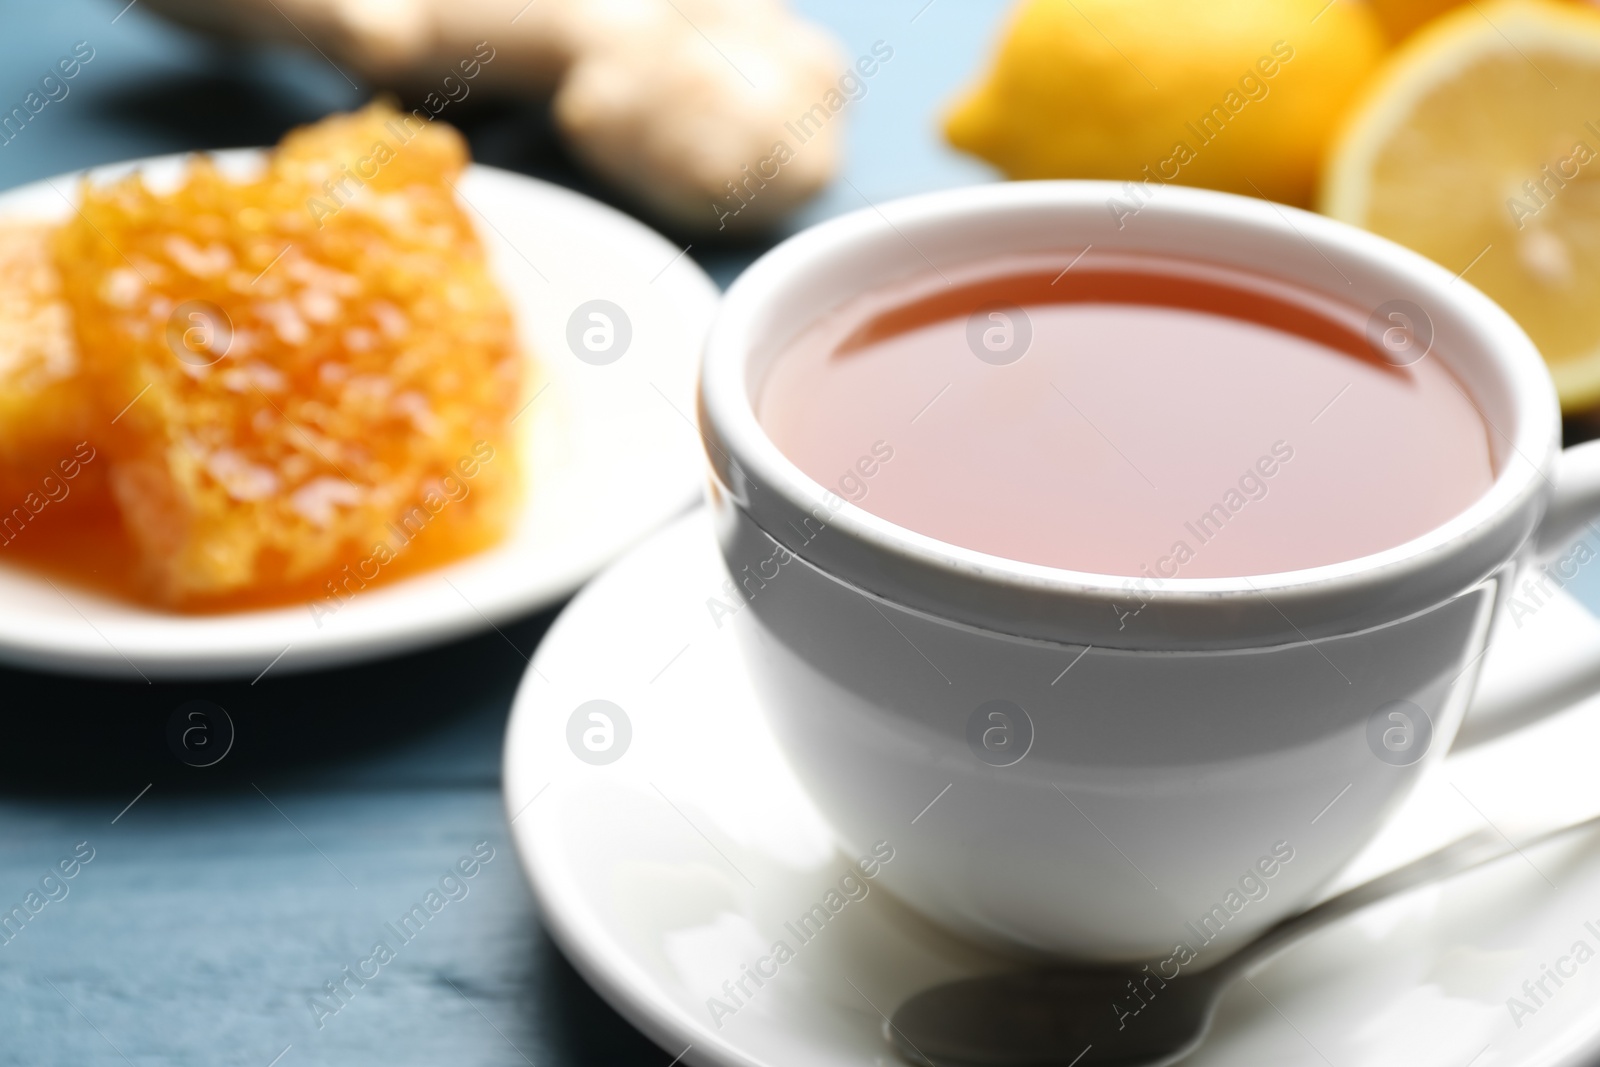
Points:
[1238,95]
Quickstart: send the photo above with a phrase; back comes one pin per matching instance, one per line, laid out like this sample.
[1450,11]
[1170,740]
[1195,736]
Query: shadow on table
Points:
[235,101]
[582,1026]
[67,735]
[551,1014]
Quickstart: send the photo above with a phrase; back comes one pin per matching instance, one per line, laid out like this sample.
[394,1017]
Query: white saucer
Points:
[663,872]
[611,454]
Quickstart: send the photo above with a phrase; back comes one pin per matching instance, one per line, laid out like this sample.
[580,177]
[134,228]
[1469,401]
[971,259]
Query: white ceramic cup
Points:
[1175,787]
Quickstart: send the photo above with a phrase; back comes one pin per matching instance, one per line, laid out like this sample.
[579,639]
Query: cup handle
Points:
[1575,672]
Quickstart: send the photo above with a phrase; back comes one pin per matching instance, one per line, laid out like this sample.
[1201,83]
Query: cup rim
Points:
[890,561]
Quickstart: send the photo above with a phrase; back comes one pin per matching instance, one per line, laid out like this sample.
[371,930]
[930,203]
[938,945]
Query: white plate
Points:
[662,873]
[611,454]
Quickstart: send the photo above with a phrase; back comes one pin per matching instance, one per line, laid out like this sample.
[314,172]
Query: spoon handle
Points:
[1477,849]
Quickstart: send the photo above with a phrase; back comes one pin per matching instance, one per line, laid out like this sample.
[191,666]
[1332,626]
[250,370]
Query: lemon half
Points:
[1478,145]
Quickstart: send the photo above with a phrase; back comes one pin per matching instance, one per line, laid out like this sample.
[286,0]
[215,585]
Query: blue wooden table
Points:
[219,901]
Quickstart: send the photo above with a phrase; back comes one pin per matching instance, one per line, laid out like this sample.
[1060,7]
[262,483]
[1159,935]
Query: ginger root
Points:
[683,104]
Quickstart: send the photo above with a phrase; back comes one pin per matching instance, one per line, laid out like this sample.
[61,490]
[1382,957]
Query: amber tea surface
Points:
[1132,415]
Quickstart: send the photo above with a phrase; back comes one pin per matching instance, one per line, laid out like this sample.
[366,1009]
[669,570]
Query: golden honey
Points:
[302,381]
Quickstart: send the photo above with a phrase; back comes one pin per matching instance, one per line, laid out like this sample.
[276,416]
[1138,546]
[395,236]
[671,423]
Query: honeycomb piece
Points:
[46,414]
[43,403]
[318,369]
